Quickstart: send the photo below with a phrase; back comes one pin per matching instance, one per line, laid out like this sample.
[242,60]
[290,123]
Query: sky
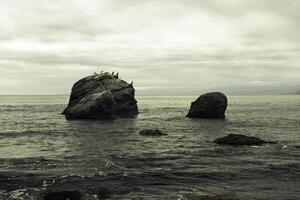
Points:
[165,47]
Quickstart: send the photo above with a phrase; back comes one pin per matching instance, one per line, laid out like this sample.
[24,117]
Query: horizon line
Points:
[229,94]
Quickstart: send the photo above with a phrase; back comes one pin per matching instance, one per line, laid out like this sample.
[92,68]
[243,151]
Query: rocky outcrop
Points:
[237,139]
[102,95]
[210,105]
[151,132]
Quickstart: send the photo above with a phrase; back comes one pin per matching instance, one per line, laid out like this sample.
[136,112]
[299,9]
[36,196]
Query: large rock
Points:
[102,95]
[210,105]
[237,139]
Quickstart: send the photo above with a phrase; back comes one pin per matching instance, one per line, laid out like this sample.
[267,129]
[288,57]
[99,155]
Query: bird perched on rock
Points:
[116,76]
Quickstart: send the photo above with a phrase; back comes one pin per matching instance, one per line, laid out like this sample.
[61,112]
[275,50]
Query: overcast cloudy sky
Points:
[169,46]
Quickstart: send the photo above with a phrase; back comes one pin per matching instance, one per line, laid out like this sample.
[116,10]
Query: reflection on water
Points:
[35,139]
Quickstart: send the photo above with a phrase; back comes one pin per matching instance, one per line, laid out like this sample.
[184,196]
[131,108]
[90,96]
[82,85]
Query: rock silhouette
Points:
[209,105]
[102,95]
[237,139]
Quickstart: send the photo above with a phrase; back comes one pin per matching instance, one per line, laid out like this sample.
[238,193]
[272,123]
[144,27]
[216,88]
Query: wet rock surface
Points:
[209,105]
[151,132]
[102,95]
[237,139]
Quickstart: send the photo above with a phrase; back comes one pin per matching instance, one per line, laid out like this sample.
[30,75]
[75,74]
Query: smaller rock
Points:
[152,132]
[209,106]
[237,139]
[62,195]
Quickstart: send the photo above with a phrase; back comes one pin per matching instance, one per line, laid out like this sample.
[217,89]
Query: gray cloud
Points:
[166,47]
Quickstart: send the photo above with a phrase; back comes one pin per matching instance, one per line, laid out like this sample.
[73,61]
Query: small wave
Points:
[28,133]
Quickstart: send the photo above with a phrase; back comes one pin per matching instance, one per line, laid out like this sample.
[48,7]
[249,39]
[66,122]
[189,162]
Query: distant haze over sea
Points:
[181,89]
[230,90]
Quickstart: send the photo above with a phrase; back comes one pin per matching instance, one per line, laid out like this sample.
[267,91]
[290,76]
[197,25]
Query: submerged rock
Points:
[209,105]
[151,132]
[101,96]
[103,193]
[218,197]
[62,195]
[237,139]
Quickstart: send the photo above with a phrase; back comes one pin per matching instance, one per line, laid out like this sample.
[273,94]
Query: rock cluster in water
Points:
[209,105]
[237,139]
[102,95]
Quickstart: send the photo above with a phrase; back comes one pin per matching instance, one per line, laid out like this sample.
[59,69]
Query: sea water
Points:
[39,147]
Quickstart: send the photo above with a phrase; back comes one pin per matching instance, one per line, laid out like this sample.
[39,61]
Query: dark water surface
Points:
[40,149]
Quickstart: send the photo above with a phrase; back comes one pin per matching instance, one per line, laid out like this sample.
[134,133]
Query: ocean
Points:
[40,149]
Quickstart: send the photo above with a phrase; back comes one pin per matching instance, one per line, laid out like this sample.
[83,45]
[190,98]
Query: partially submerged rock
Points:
[151,132]
[218,197]
[101,96]
[62,195]
[103,193]
[237,139]
[209,105]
